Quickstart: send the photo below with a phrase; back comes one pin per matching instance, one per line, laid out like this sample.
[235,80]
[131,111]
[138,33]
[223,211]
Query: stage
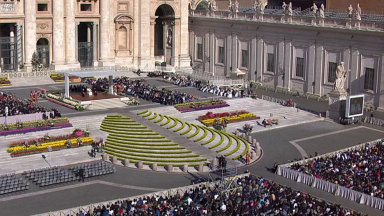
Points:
[100,96]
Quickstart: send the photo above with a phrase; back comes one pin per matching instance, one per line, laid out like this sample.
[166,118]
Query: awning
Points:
[95,73]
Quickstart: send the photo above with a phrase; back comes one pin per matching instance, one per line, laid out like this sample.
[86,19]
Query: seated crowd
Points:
[257,197]
[141,89]
[11,105]
[226,91]
[360,170]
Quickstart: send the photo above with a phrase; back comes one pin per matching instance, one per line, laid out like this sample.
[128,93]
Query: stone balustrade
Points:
[331,20]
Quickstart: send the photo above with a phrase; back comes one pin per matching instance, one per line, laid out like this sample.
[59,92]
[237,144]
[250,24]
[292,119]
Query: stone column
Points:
[182,45]
[287,65]
[66,86]
[71,36]
[174,47]
[259,59]
[228,51]
[144,34]
[192,45]
[30,32]
[77,41]
[235,52]
[319,68]
[105,34]
[311,69]
[110,85]
[19,42]
[58,55]
[280,70]
[354,87]
[12,41]
[206,52]
[212,52]
[153,25]
[252,68]
[95,41]
[380,99]
[165,29]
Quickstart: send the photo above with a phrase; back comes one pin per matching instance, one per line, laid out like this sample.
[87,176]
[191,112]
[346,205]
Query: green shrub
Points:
[167,122]
[158,160]
[174,124]
[236,149]
[188,130]
[212,138]
[142,112]
[245,151]
[148,114]
[221,140]
[153,117]
[181,127]
[151,154]
[159,120]
[144,147]
[196,132]
[143,143]
[204,135]
[229,137]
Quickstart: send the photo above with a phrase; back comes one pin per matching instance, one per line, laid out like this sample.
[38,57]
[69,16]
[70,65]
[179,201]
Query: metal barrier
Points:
[164,193]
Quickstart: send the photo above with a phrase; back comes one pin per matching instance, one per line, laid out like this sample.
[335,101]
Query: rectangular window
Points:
[271,62]
[369,78]
[221,55]
[42,7]
[244,58]
[86,7]
[332,67]
[300,67]
[200,51]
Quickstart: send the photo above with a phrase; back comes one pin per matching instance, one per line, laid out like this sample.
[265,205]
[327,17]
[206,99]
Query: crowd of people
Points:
[257,196]
[360,170]
[11,105]
[141,89]
[225,91]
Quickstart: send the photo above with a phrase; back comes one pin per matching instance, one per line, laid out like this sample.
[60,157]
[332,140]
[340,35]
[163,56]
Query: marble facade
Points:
[79,33]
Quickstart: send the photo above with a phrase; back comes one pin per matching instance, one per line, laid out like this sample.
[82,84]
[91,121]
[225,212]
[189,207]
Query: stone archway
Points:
[164,38]
[42,49]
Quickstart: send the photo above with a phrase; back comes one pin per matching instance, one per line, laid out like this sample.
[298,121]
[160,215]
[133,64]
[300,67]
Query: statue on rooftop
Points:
[213,5]
[314,9]
[193,5]
[322,14]
[290,11]
[230,6]
[236,6]
[284,7]
[358,12]
[350,11]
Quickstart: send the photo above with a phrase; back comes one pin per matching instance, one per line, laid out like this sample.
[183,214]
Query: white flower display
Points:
[65,100]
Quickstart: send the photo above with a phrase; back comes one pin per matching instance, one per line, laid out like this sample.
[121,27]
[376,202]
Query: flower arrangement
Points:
[31,126]
[66,102]
[289,103]
[201,105]
[43,147]
[4,81]
[209,119]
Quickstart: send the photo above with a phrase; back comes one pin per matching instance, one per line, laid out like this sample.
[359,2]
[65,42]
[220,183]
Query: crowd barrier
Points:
[374,121]
[285,171]
[167,193]
[276,100]
[212,79]
[23,118]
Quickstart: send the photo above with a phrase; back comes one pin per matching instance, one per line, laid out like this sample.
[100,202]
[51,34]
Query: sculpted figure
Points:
[341,77]
[314,9]
[322,15]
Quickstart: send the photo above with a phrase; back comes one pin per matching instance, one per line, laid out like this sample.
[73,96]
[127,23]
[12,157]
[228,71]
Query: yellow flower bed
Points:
[5,84]
[232,118]
[52,144]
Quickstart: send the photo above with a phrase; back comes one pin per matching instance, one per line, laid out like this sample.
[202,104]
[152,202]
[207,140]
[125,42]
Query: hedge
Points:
[143,143]
[204,135]
[181,127]
[124,126]
[153,117]
[220,142]
[229,143]
[167,122]
[188,130]
[125,130]
[237,147]
[174,124]
[196,132]
[113,116]
[153,138]
[148,154]
[130,134]
[161,164]
[148,114]
[142,112]
[159,120]
[146,147]
[119,123]
[246,149]
[212,138]
[140,140]
[160,160]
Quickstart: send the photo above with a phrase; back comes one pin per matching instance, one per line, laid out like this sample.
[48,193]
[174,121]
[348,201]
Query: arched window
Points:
[123,37]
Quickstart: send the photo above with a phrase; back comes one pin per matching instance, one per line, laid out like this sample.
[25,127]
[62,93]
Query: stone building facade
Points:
[299,53]
[68,34]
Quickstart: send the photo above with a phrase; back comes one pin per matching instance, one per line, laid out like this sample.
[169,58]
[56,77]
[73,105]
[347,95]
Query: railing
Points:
[368,22]
[164,193]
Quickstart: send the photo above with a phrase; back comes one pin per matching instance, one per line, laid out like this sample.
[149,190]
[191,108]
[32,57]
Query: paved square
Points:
[287,116]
